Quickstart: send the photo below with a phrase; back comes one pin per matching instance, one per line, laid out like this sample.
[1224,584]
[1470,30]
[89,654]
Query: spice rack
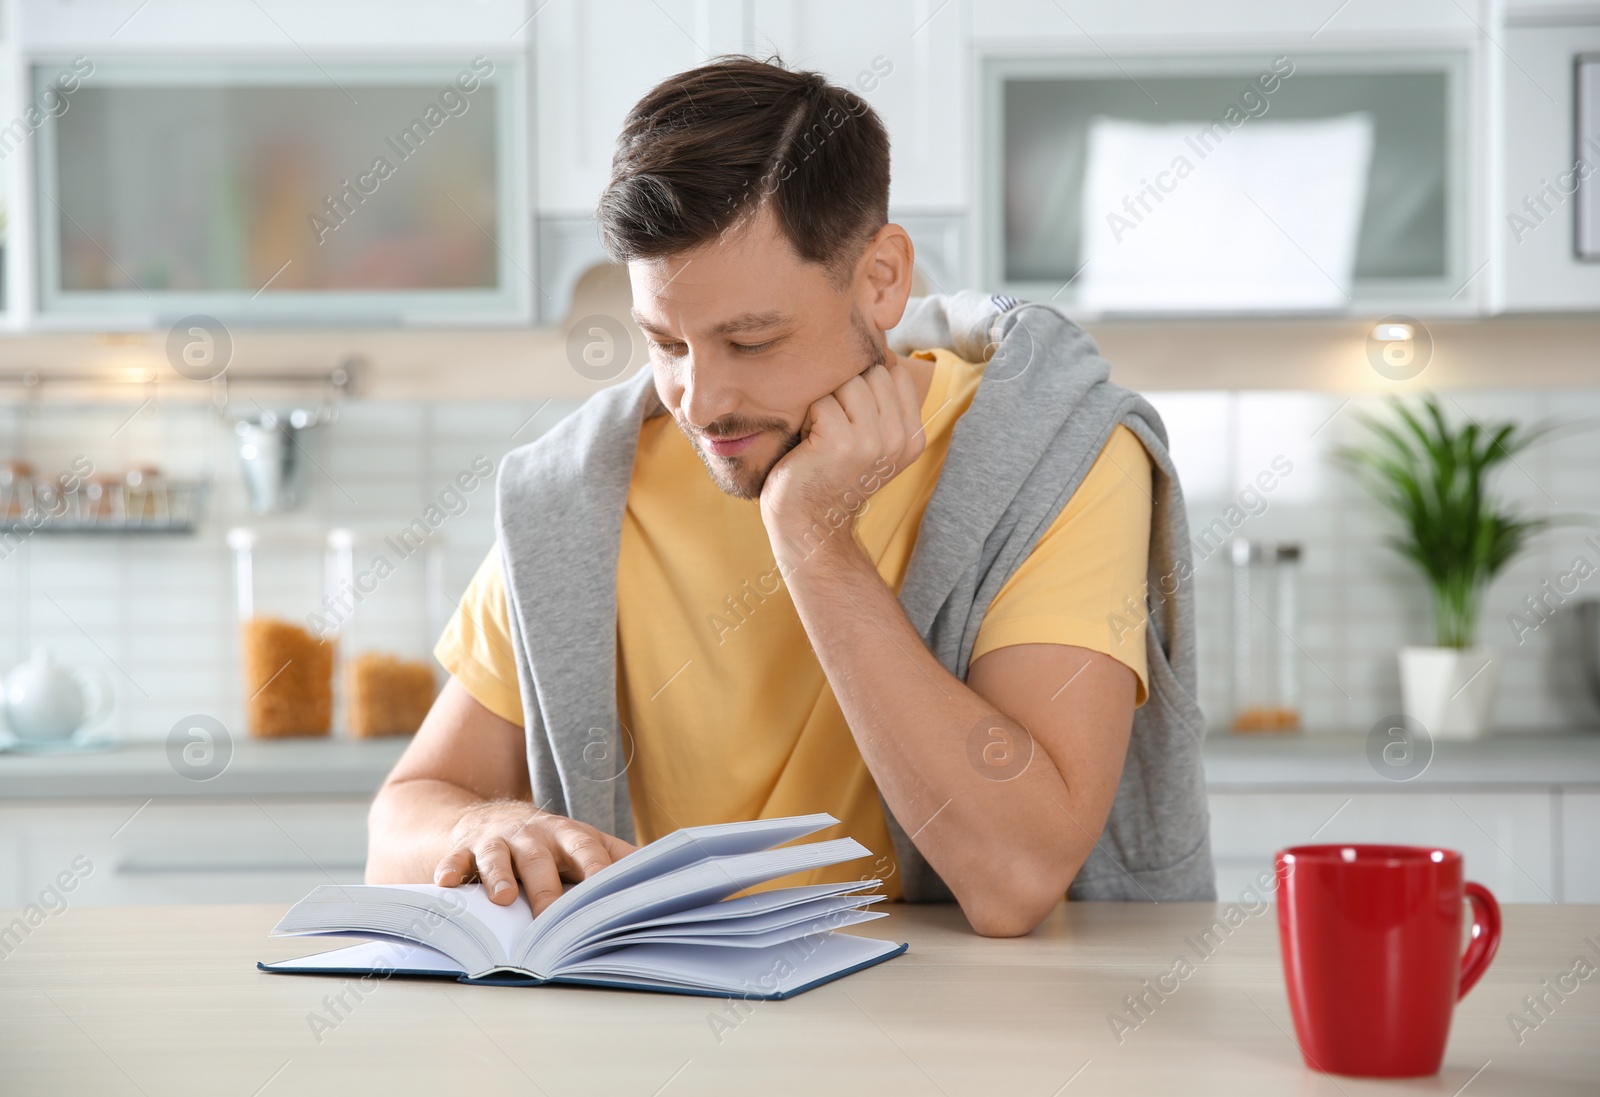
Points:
[139,502]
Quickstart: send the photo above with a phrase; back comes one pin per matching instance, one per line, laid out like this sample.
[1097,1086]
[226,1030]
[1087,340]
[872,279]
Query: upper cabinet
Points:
[379,162]
[1545,225]
[359,164]
[1179,25]
[906,58]
[593,60]
[1323,181]
[293,191]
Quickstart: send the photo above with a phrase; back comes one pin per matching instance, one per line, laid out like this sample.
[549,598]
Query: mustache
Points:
[733,427]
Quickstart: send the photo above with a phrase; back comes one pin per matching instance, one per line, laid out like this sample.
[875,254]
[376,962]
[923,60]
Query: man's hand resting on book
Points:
[457,807]
[504,841]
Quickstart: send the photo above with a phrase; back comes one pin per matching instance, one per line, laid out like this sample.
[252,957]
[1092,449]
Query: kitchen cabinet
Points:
[115,27]
[1046,208]
[1580,846]
[593,61]
[1508,839]
[292,191]
[904,57]
[365,164]
[1523,808]
[1535,266]
[1306,23]
[132,851]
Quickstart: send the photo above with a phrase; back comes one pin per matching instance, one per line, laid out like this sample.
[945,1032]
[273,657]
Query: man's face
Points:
[744,338]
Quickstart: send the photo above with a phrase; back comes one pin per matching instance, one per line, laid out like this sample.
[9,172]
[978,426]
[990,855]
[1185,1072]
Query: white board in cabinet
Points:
[1580,846]
[1506,839]
[140,852]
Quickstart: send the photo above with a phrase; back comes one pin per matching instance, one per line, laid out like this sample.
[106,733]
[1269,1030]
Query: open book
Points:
[658,919]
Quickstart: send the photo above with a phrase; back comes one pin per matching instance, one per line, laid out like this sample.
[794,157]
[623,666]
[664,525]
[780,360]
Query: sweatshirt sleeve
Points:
[1084,582]
[475,646]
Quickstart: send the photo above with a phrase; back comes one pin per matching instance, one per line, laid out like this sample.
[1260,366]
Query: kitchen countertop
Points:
[167,1000]
[258,767]
[1326,760]
[1237,763]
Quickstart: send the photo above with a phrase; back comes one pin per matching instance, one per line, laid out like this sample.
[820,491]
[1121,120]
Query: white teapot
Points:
[45,701]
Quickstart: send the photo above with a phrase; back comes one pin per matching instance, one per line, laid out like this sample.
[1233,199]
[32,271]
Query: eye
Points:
[671,350]
[756,348]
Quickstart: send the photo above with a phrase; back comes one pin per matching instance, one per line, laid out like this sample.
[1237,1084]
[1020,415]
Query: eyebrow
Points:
[750,321]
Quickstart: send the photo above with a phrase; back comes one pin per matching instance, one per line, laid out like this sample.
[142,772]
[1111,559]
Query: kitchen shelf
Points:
[164,507]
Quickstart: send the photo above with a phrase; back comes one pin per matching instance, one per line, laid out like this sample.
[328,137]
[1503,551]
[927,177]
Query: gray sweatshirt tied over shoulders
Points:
[1042,411]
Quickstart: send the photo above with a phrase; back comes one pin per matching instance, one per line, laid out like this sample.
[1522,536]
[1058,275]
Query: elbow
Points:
[1014,911]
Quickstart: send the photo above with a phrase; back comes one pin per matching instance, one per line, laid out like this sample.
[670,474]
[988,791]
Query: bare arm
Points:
[458,804]
[1008,840]
[1004,782]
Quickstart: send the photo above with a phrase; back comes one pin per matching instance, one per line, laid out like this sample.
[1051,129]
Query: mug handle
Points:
[1485,936]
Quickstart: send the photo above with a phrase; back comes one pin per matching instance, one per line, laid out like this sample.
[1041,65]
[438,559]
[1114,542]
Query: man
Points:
[692,615]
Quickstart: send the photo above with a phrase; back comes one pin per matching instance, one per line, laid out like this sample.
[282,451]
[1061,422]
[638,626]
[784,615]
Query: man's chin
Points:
[744,475]
[736,476]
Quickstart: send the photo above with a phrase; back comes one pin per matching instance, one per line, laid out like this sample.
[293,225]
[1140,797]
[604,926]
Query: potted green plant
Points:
[1434,478]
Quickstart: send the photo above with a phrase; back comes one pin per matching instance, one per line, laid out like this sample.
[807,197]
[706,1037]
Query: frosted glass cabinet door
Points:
[373,193]
[1411,238]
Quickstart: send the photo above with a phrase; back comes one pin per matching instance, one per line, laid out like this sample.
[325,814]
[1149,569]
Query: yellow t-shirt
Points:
[730,714]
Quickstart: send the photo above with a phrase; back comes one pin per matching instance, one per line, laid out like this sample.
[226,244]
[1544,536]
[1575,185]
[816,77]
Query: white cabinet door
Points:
[1505,838]
[592,61]
[1580,847]
[134,852]
[1302,24]
[1535,264]
[285,26]
[905,58]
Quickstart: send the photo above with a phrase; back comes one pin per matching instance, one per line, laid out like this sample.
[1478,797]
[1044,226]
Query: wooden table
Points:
[166,1000]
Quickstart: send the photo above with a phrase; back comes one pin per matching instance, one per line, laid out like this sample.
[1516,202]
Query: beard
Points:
[737,476]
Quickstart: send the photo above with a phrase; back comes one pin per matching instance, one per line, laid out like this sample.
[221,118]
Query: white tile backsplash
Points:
[157,616]
[1360,600]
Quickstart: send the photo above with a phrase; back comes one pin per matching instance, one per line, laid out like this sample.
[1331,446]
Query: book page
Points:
[697,884]
[506,923]
[668,854]
[377,957]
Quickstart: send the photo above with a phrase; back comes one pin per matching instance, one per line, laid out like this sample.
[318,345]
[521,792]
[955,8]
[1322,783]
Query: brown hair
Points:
[707,148]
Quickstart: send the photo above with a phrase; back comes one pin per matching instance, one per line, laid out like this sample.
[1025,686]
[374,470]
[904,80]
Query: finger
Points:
[882,384]
[828,417]
[581,851]
[855,396]
[494,869]
[454,868]
[536,865]
[910,407]
[916,432]
[891,415]
[615,846]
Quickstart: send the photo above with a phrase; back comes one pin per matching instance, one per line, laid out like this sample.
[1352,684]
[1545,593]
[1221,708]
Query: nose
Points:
[705,395]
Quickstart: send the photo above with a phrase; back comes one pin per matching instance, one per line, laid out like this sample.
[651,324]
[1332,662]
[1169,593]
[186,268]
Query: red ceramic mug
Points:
[1371,938]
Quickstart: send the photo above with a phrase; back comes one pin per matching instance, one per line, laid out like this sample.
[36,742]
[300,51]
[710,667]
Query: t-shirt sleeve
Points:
[1084,582]
[476,645]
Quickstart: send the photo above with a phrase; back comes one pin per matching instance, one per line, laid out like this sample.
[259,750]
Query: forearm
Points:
[1000,838]
[410,828]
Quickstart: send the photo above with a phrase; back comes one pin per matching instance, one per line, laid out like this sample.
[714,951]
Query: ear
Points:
[888,264]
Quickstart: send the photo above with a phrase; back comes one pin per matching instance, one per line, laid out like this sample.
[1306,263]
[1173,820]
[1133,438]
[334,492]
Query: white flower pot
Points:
[1450,692]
